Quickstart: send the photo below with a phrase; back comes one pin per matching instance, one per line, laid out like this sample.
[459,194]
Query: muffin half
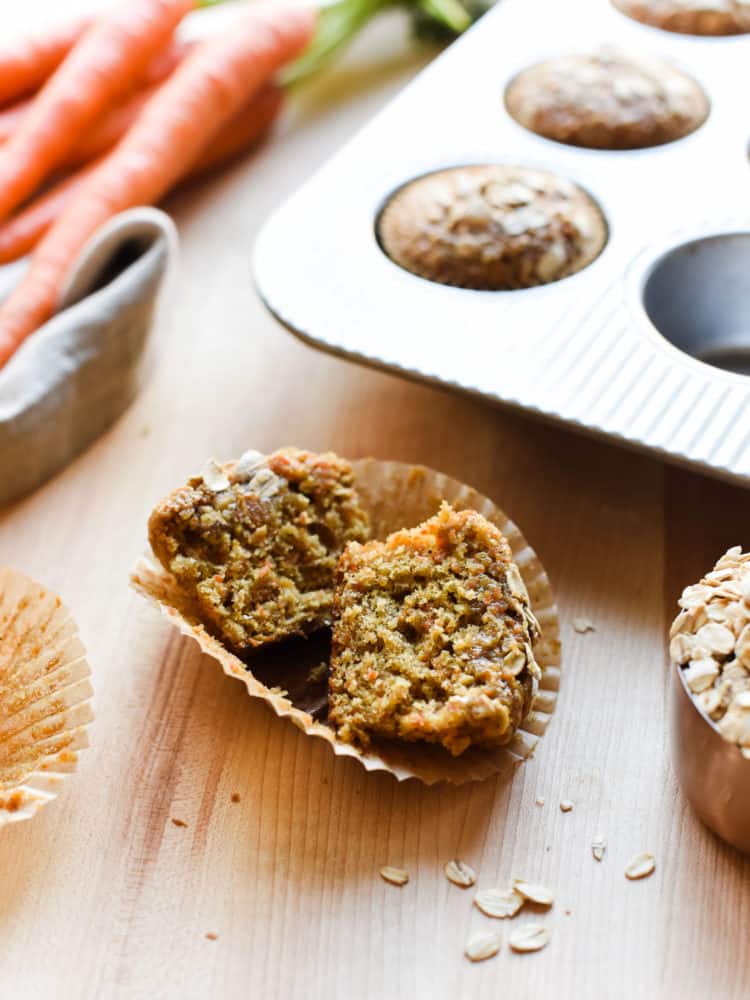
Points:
[433,637]
[254,543]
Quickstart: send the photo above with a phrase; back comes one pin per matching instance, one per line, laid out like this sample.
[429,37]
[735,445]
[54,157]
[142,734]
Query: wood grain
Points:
[103,896]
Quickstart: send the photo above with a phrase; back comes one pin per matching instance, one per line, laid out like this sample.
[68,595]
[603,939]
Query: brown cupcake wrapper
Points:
[397,496]
[45,696]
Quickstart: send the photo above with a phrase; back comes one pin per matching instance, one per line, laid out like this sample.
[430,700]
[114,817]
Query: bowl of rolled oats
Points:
[710,653]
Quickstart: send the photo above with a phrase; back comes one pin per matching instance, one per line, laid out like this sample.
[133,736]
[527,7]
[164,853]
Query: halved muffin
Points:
[433,637]
[254,543]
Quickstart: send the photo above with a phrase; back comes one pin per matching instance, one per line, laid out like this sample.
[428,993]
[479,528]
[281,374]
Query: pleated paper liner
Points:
[45,695]
[290,676]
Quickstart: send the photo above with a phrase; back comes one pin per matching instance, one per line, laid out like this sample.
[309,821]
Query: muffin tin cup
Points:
[395,496]
[582,351]
[45,696]
[714,774]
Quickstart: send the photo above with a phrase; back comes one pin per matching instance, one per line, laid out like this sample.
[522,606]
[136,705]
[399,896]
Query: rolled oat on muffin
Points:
[607,100]
[691,17]
[254,543]
[433,637]
[491,227]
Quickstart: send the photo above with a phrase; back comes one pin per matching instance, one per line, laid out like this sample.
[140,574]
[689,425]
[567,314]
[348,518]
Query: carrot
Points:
[115,122]
[21,233]
[97,71]
[28,62]
[240,132]
[210,86]
[11,117]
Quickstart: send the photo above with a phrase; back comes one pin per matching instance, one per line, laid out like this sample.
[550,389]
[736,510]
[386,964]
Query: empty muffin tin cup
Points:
[696,295]
[713,773]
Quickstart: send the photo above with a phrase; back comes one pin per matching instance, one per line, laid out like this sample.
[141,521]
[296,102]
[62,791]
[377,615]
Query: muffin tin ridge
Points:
[584,351]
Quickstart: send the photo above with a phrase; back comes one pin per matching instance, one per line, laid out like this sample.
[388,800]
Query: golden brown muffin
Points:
[607,100]
[255,542]
[691,17]
[433,637]
[491,227]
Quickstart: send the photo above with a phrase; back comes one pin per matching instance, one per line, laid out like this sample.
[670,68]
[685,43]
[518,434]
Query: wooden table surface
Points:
[103,896]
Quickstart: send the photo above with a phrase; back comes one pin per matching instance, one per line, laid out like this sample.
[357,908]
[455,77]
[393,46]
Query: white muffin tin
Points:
[582,351]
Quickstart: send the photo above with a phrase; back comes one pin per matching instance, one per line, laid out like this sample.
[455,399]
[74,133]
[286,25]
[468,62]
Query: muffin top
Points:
[491,227]
[691,17]
[607,100]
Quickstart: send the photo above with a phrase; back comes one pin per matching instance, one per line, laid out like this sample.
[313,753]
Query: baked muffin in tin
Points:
[492,227]
[691,17]
[607,100]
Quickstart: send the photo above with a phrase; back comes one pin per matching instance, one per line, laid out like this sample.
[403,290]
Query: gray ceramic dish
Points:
[73,378]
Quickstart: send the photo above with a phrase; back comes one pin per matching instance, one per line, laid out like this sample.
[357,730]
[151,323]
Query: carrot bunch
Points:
[111,113]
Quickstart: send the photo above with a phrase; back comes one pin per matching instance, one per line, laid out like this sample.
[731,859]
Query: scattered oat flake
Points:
[535,893]
[235,796]
[529,937]
[583,625]
[499,903]
[566,806]
[396,876]
[179,822]
[212,936]
[482,946]
[598,847]
[641,866]
[461,874]
[540,801]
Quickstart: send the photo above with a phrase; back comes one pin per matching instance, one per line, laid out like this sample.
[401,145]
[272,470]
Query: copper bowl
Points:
[713,773]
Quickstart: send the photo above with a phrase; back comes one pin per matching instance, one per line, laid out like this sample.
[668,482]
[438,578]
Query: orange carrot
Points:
[205,91]
[115,122]
[240,132]
[21,233]
[11,117]
[25,64]
[97,71]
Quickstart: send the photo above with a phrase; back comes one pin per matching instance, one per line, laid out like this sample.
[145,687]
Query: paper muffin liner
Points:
[285,676]
[45,695]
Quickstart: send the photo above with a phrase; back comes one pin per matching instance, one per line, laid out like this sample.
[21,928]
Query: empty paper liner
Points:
[45,695]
